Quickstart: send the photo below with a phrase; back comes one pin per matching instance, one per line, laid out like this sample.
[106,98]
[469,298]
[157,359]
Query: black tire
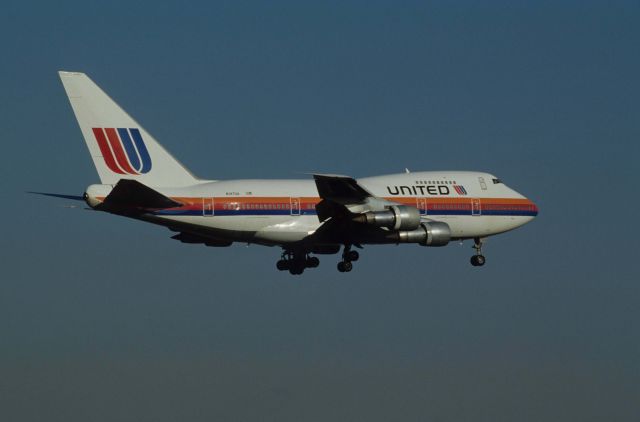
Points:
[296,270]
[353,256]
[282,265]
[341,266]
[348,266]
[313,262]
[480,260]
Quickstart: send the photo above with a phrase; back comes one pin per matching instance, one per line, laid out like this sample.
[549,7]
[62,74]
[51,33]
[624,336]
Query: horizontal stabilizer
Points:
[59,195]
[132,194]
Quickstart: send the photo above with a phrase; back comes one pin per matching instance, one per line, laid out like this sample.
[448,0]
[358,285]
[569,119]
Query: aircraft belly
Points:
[482,225]
[288,229]
[264,229]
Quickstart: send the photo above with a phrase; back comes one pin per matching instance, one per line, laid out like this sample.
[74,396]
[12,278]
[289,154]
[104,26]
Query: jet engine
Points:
[433,233]
[396,217]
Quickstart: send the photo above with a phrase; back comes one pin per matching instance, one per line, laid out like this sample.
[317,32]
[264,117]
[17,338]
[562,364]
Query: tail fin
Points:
[119,146]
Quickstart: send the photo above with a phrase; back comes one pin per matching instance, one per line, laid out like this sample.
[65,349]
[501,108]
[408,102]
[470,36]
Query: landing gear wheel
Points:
[312,262]
[345,266]
[296,267]
[282,265]
[348,256]
[296,260]
[477,260]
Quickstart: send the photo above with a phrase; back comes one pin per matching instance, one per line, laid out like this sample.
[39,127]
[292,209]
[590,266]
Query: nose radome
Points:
[531,208]
[534,208]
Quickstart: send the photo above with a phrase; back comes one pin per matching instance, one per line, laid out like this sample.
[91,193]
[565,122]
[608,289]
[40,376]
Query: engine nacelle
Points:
[438,234]
[433,233]
[396,217]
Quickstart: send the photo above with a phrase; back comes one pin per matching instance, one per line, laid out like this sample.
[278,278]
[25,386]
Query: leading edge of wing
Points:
[59,195]
[341,189]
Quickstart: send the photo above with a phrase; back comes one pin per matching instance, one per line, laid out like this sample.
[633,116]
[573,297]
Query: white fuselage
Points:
[140,179]
[280,212]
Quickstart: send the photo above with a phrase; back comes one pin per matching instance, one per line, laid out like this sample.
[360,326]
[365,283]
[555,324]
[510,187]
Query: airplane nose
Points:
[534,209]
[528,211]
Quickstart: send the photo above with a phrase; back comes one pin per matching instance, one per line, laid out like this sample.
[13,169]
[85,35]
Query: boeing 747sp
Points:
[325,214]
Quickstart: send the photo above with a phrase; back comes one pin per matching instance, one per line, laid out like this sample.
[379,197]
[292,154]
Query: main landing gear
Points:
[348,256]
[478,259]
[296,263]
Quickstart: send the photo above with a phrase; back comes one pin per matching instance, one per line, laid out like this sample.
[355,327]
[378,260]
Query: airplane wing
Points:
[342,189]
[340,194]
[348,210]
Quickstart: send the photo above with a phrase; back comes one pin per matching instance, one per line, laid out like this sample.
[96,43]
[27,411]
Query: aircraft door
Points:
[422,206]
[475,207]
[483,184]
[207,207]
[295,206]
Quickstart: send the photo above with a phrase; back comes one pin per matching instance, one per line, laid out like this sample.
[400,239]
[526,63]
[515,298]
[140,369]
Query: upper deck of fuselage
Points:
[412,184]
[439,183]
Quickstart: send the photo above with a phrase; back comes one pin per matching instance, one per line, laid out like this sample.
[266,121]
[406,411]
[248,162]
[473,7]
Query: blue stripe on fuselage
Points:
[231,213]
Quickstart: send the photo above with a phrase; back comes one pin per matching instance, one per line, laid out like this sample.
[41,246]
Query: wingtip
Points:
[331,176]
[67,73]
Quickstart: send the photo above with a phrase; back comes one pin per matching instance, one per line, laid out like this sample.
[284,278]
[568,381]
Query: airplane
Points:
[323,214]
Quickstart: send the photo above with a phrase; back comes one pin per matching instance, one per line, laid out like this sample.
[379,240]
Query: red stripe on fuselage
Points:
[433,205]
[114,141]
[105,150]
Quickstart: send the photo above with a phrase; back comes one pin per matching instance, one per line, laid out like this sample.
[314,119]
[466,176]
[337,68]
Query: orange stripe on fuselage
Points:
[310,200]
[459,200]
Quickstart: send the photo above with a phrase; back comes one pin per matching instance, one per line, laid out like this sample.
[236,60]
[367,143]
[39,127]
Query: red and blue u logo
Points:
[460,189]
[123,150]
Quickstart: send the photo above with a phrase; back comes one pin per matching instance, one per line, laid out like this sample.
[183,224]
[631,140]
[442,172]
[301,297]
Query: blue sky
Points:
[108,319]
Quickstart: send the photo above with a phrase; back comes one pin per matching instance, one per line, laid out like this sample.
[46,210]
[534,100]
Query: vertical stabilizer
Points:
[119,146]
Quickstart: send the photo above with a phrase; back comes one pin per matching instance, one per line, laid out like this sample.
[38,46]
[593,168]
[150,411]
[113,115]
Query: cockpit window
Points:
[496,181]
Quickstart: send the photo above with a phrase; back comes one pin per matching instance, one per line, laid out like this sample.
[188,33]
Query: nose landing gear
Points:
[348,256]
[478,259]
